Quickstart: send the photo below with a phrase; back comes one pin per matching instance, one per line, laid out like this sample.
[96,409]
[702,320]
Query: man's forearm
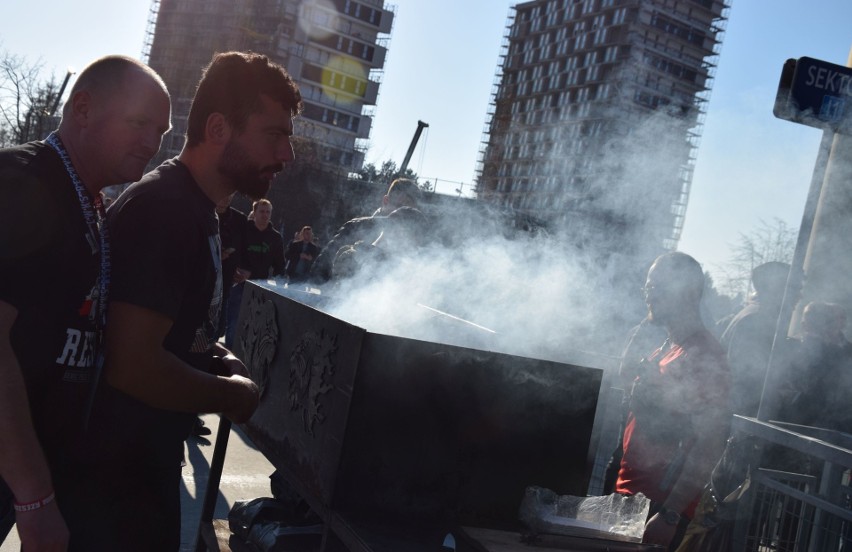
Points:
[22,462]
[698,467]
[162,380]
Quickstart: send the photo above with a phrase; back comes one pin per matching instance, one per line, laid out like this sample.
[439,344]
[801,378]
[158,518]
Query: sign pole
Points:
[769,397]
[818,94]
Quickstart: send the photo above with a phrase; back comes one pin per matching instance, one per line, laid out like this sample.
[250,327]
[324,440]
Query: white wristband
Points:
[30,506]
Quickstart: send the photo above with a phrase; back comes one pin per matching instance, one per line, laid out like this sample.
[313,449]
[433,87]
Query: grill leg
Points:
[214,476]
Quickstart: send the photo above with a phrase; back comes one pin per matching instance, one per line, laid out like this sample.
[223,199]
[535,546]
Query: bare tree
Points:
[775,241]
[27,100]
[386,173]
[717,305]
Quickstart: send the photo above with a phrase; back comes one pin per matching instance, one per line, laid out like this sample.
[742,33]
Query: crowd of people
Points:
[93,416]
[92,422]
[683,384]
[106,369]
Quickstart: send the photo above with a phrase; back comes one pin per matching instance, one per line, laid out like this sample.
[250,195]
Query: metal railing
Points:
[806,504]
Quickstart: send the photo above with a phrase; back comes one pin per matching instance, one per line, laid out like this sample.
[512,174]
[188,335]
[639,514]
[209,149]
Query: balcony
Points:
[372,93]
[364,126]
[387,22]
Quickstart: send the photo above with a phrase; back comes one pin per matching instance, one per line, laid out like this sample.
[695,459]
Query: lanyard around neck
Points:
[96,234]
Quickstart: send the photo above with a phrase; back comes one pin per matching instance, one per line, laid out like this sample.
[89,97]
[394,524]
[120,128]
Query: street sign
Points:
[816,93]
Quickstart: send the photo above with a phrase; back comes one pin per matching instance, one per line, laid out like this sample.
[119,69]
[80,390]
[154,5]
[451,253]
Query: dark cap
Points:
[404,186]
[770,277]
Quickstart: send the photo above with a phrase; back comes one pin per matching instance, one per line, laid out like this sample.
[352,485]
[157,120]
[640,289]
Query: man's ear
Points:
[81,108]
[217,131]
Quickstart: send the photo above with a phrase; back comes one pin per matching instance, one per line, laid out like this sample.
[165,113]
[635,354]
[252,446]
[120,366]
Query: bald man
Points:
[679,413]
[164,362]
[54,280]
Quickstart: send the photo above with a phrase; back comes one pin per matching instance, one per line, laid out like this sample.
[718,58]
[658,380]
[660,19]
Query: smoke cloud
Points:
[568,293]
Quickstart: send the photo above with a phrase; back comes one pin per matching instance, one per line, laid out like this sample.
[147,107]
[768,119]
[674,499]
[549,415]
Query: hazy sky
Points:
[440,69]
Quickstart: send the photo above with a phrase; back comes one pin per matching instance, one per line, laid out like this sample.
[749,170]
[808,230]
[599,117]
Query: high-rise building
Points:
[334,49]
[596,115]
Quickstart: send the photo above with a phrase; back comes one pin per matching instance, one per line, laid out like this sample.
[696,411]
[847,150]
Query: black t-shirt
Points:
[49,267]
[298,268]
[166,257]
[232,229]
[263,252]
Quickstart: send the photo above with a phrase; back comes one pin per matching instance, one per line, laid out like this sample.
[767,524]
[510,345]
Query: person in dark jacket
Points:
[819,386]
[300,255]
[261,257]
[401,193]
[749,336]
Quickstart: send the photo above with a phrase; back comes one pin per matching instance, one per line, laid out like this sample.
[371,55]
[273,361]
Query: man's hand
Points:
[243,396]
[657,531]
[42,530]
[241,275]
[234,366]
[242,393]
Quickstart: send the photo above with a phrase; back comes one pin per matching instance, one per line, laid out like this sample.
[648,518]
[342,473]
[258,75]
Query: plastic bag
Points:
[273,525]
[614,516]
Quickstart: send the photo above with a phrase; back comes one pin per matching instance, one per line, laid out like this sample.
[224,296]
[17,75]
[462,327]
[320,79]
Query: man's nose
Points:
[151,141]
[285,151]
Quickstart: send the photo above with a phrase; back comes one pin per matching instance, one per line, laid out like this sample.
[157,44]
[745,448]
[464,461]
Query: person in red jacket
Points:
[679,415]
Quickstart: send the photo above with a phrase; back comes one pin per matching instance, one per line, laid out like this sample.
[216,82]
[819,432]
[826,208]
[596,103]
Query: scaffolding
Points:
[702,99]
[493,101]
[604,66]
[150,29]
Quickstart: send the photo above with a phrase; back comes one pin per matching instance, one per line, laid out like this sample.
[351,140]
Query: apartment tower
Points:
[334,49]
[596,114]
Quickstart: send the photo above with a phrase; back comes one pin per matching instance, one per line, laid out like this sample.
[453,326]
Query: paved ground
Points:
[245,476]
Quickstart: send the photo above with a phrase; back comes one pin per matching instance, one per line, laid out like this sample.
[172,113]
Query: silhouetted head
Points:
[674,287]
[241,121]
[261,211]
[114,120]
[234,84]
[824,321]
[402,192]
[770,280]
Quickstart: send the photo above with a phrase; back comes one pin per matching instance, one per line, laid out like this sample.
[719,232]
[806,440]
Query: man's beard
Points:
[237,167]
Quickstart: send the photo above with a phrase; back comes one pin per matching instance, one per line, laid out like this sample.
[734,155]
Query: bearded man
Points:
[164,364]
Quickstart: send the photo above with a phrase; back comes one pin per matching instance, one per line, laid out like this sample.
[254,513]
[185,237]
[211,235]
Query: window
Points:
[685,32]
[571,79]
[593,73]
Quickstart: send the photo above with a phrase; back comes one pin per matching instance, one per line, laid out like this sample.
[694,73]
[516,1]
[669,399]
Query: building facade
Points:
[334,49]
[596,114]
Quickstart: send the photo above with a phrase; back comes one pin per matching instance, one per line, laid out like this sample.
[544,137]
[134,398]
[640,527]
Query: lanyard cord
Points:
[95,217]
